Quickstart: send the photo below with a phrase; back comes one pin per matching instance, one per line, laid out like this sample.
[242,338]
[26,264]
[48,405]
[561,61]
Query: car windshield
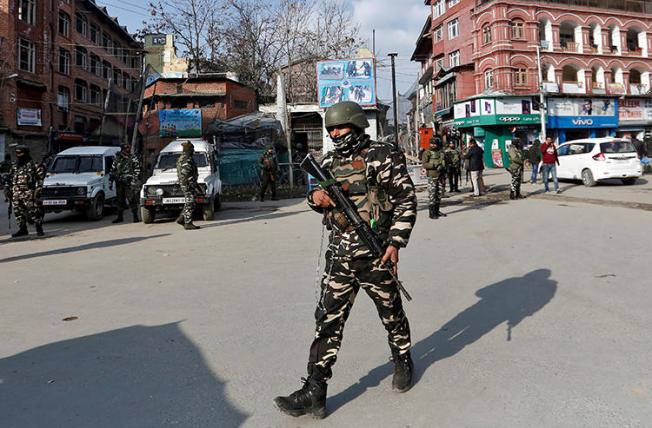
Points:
[76,164]
[617,147]
[169,160]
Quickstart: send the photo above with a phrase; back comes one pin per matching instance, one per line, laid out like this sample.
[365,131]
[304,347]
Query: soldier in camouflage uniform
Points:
[453,166]
[435,165]
[268,172]
[516,157]
[23,186]
[187,174]
[375,177]
[125,171]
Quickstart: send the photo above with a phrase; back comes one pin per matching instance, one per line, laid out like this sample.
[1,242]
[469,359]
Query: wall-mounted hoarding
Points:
[346,80]
[582,113]
[180,123]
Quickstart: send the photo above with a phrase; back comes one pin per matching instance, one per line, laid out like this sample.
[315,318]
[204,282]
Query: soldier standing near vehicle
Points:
[268,172]
[23,186]
[375,178]
[187,175]
[125,171]
[434,164]
[516,158]
[452,157]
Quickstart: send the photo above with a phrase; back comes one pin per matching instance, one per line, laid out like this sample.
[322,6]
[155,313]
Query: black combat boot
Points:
[22,231]
[432,212]
[190,226]
[403,368]
[512,195]
[180,220]
[519,196]
[439,213]
[118,219]
[310,399]
[39,230]
[134,213]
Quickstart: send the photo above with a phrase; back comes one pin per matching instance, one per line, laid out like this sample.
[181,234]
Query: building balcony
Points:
[615,88]
[639,89]
[633,52]
[599,88]
[573,88]
[550,87]
[572,47]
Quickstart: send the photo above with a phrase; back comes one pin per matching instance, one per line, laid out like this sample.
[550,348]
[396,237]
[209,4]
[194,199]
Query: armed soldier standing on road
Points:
[453,167]
[375,177]
[187,174]
[435,165]
[516,158]
[268,172]
[125,171]
[23,186]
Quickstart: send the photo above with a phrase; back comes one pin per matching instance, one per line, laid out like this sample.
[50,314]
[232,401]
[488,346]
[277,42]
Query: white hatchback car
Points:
[595,159]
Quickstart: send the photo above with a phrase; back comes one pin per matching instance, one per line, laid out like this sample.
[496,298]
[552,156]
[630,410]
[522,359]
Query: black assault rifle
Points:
[362,228]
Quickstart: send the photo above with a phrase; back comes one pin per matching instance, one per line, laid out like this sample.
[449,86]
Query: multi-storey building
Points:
[62,59]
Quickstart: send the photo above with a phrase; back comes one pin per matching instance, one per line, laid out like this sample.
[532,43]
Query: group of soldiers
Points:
[440,164]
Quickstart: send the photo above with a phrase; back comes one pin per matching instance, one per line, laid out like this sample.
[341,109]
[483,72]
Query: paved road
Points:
[202,329]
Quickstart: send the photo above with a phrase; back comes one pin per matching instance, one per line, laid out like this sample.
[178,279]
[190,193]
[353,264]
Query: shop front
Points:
[635,117]
[575,118]
[495,122]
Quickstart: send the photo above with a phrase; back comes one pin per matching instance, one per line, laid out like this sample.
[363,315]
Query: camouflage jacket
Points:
[377,181]
[516,157]
[268,164]
[125,169]
[26,177]
[433,162]
[187,173]
[452,158]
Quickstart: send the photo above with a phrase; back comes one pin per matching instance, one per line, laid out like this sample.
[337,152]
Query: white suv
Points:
[595,159]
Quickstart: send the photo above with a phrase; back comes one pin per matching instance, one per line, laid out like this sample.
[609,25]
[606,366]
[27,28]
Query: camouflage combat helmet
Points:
[346,113]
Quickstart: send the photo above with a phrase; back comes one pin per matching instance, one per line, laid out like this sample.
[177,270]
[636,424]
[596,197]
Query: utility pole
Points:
[143,79]
[393,56]
[541,97]
[417,118]
[104,110]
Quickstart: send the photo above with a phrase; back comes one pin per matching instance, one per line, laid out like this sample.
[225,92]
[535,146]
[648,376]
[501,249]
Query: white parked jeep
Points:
[162,193]
[79,180]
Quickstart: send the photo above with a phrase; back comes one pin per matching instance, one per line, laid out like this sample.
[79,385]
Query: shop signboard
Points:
[28,116]
[180,123]
[500,111]
[568,113]
[635,110]
[346,80]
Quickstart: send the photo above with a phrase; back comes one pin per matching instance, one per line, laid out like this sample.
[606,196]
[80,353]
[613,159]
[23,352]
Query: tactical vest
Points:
[370,199]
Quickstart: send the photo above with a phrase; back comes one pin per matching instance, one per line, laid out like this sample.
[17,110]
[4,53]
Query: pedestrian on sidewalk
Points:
[125,172]
[378,182]
[475,155]
[434,163]
[550,160]
[534,156]
[268,172]
[516,159]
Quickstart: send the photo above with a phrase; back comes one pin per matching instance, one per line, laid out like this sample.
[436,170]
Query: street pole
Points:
[104,110]
[417,119]
[143,80]
[542,112]
[393,56]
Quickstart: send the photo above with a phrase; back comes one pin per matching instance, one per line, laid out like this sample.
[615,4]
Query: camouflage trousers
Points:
[435,190]
[517,177]
[340,284]
[26,209]
[125,191]
[188,205]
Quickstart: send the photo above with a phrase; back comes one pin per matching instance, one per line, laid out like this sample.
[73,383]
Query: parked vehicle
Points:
[162,193]
[595,159]
[78,180]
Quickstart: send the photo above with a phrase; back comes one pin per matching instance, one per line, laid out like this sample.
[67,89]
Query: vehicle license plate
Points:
[174,200]
[54,202]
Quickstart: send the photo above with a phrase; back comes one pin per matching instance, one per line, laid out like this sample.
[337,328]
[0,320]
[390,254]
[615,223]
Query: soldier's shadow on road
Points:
[511,301]
[137,376]
[84,247]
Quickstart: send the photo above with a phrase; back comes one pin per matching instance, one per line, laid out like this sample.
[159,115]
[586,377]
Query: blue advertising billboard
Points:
[569,113]
[180,123]
[346,80]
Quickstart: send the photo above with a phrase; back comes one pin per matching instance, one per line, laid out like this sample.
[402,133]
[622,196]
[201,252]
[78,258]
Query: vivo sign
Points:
[583,122]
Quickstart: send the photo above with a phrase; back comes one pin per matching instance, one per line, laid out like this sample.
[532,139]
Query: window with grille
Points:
[520,77]
[517,29]
[489,79]
[81,91]
[439,8]
[453,28]
[439,34]
[27,11]
[454,59]
[26,55]
[64,23]
[64,61]
[81,57]
[63,98]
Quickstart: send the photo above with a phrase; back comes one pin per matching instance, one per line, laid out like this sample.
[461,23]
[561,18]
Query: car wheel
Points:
[208,211]
[95,210]
[629,181]
[147,214]
[217,201]
[587,178]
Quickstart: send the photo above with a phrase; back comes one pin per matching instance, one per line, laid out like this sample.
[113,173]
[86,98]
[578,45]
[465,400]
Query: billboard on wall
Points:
[28,116]
[635,110]
[582,112]
[498,111]
[346,80]
[180,123]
